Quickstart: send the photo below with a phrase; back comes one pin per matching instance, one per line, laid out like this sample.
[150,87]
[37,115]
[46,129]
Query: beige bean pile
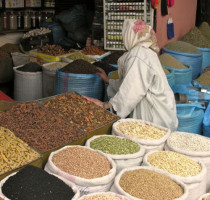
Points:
[13,151]
[166,71]
[56,65]
[174,163]
[141,130]
[206,198]
[149,185]
[204,79]
[189,142]
[205,30]
[101,197]
[82,162]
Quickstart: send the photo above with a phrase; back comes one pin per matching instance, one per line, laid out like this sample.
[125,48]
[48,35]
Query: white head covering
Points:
[138,33]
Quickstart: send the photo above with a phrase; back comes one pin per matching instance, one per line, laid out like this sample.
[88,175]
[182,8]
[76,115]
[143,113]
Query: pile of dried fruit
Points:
[93,50]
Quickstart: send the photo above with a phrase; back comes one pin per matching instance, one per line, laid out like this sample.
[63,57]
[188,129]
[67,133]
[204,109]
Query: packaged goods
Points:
[124,152]
[113,57]
[204,79]
[147,183]
[93,50]
[196,38]
[90,170]
[38,126]
[79,67]
[181,46]
[191,172]
[106,67]
[30,67]
[14,152]
[75,108]
[34,183]
[205,29]
[192,145]
[170,61]
[149,135]
[103,196]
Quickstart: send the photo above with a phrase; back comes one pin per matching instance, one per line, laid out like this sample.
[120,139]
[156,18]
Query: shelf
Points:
[2,32]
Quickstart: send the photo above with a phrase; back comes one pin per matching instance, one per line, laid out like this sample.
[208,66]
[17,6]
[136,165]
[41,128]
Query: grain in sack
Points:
[192,145]
[191,172]
[125,152]
[147,134]
[91,170]
[147,183]
[34,183]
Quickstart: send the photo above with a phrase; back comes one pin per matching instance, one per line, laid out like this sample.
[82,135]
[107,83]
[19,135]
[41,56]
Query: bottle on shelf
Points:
[33,20]
[38,19]
[27,20]
[20,21]
[5,23]
[13,21]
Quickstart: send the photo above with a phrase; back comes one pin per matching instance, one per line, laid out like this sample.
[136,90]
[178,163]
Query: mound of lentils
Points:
[170,61]
[113,57]
[103,196]
[34,183]
[141,130]
[149,185]
[55,65]
[78,56]
[82,162]
[204,79]
[205,30]
[106,67]
[78,110]
[166,71]
[174,163]
[189,142]
[181,46]
[196,38]
[30,67]
[39,127]
[115,145]
[79,67]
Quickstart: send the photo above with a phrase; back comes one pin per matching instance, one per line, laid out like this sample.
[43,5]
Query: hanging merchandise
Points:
[154,3]
[170,3]
[164,9]
[206,123]
[190,117]
[170,28]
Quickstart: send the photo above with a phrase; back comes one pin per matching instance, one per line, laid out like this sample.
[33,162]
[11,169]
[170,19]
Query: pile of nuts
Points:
[36,32]
[93,50]
[53,50]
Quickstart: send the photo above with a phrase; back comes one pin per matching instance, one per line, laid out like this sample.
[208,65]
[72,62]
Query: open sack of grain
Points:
[125,152]
[140,183]
[192,145]
[191,172]
[34,183]
[147,134]
[91,170]
[104,196]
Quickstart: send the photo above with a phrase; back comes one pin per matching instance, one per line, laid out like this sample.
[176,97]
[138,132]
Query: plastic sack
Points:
[116,186]
[123,160]
[181,76]
[204,195]
[206,122]
[20,58]
[85,186]
[148,144]
[171,78]
[196,184]
[90,85]
[27,85]
[110,194]
[70,184]
[193,60]
[190,117]
[205,57]
[202,156]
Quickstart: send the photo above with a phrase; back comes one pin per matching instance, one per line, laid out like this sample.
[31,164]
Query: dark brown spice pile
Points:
[113,57]
[4,54]
[34,183]
[10,48]
[75,108]
[79,67]
[38,126]
[30,67]
[106,67]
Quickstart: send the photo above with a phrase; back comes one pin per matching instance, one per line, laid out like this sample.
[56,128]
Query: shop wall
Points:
[183,14]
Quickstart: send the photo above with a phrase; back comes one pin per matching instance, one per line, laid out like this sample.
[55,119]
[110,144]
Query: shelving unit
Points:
[115,11]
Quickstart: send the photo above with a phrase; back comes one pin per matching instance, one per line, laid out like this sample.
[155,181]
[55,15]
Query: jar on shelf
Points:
[12,21]
[27,20]
[5,21]
[20,21]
